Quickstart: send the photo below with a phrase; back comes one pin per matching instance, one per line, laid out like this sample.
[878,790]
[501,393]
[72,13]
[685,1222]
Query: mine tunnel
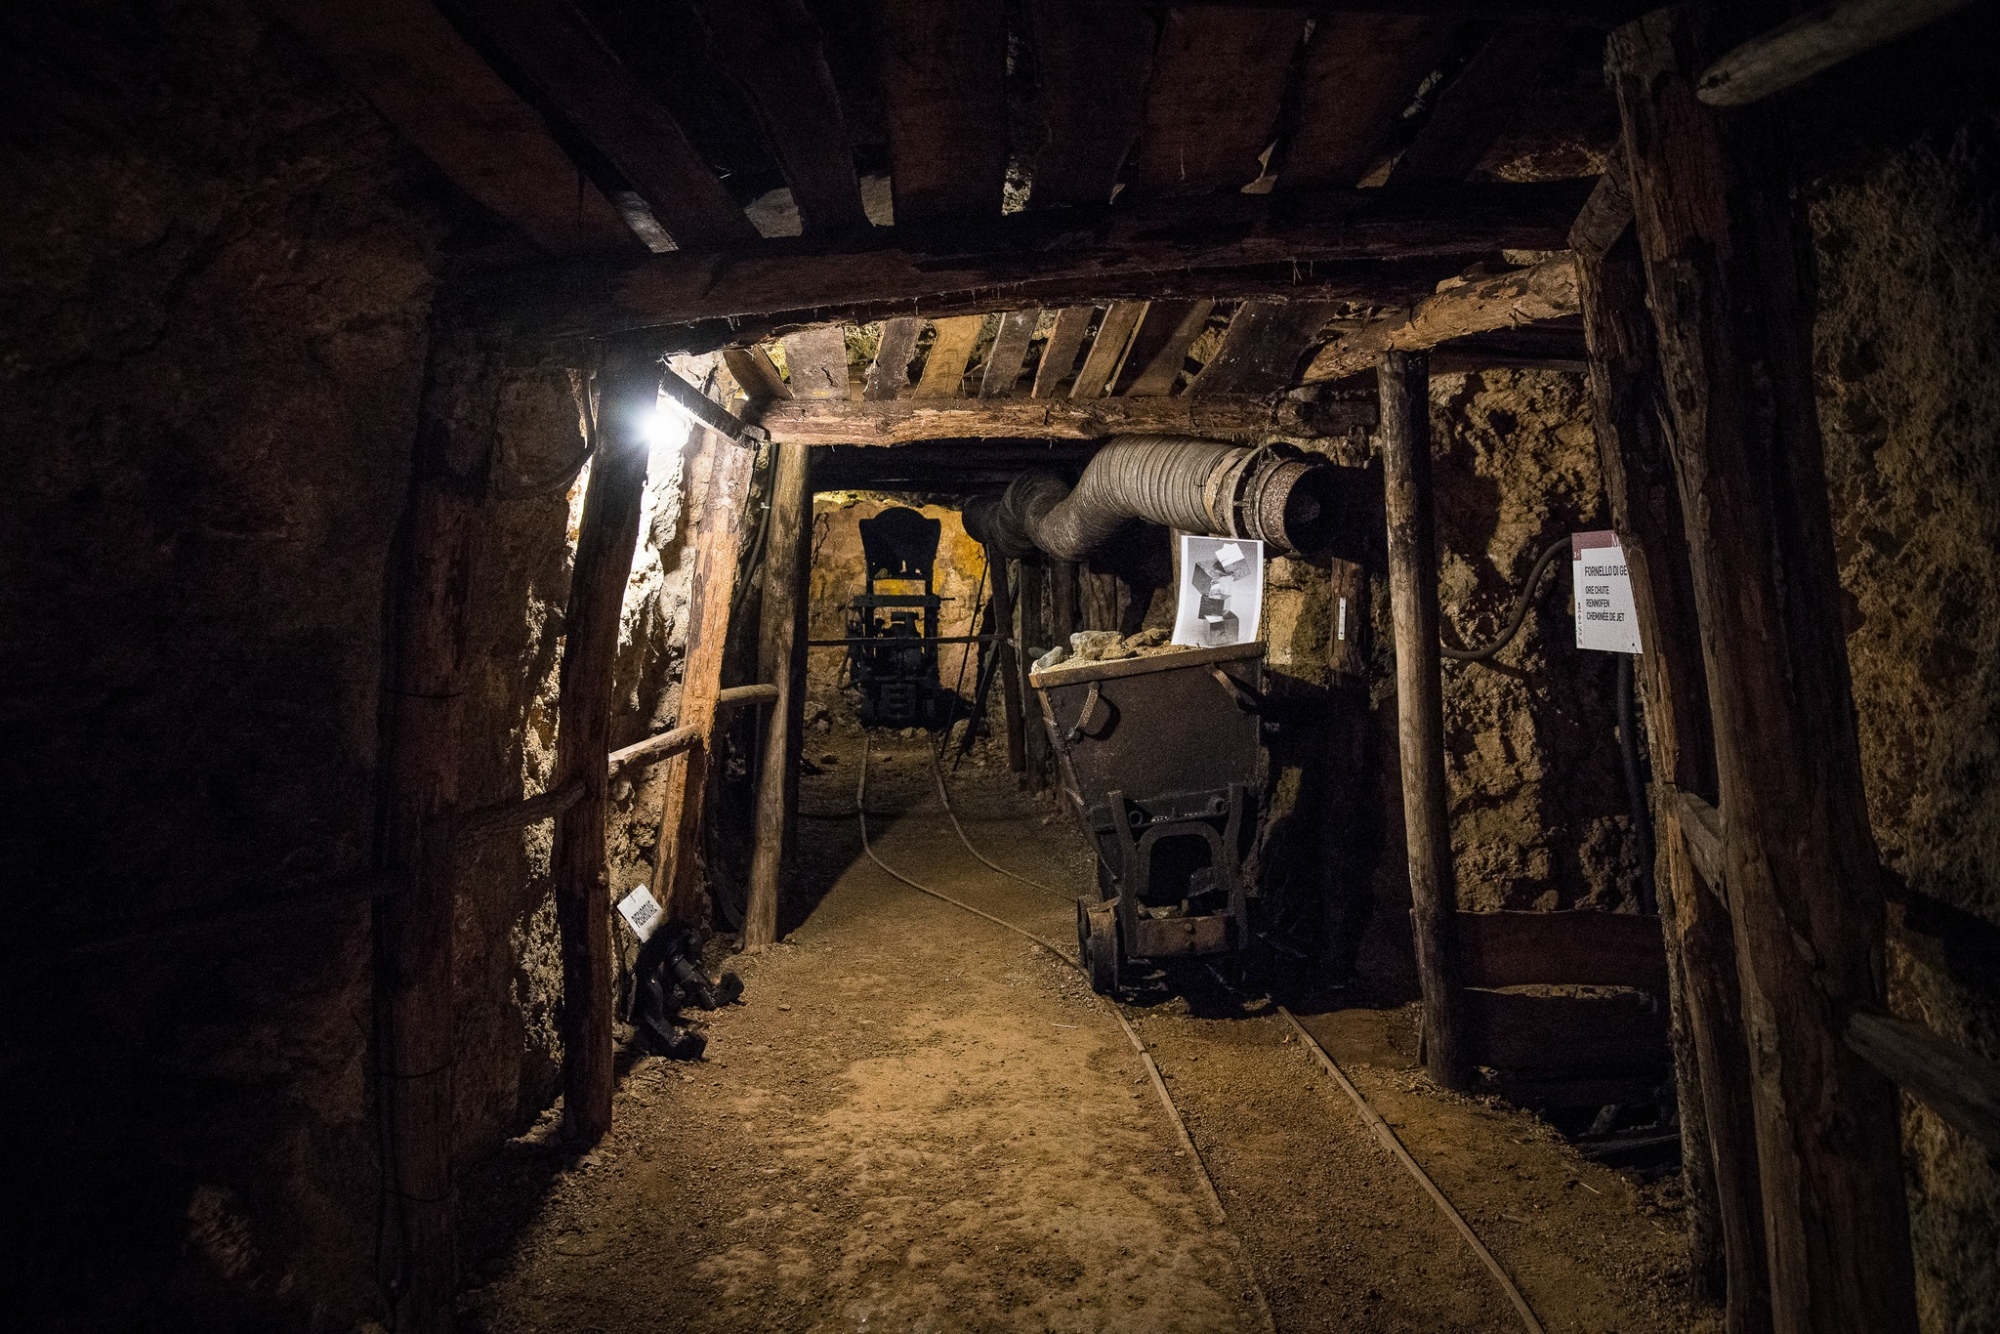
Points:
[1001,665]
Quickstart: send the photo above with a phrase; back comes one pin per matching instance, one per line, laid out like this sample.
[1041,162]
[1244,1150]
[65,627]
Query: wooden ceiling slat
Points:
[1010,350]
[572,68]
[943,66]
[1107,349]
[1059,352]
[950,352]
[1094,62]
[1475,107]
[1361,71]
[910,420]
[1212,105]
[773,49]
[1264,345]
[755,374]
[817,360]
[1159,347]
[889,374]
[427,82]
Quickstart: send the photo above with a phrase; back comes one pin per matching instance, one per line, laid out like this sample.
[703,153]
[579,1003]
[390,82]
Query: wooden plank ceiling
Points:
[808,162]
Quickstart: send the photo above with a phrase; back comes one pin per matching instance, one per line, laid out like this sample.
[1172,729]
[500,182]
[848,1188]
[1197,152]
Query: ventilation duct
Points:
[1270,493]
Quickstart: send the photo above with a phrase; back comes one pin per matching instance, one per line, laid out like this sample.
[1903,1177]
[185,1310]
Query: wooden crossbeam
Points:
[1360,71]
[943,67]
[773,49]
[1059,352]
[1358,244]
[1265,342]
[1475,107]
[1543,291]
[909,420]
[1814,41]
[1218,76]
[564,59]
[427,82]
[1009,351]
[1094,62]
[1960,1086]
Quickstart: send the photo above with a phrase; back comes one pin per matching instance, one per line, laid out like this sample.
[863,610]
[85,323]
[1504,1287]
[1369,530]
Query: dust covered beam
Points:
[907,421]
[1382,245]
[1544,291]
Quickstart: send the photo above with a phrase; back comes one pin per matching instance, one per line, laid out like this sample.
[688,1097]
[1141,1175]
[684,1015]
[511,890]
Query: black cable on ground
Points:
[1520,612]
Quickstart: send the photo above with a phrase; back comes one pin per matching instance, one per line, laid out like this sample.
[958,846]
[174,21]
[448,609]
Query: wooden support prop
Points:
[737,697]
[1386,246]
[1059,352]
[889,374]
[605,540]
[1712,1069]
[507,816]
[1475,107]
[414,68]
[780,656]
[1413,597]
[1545,291]
[1348,648]
[1218,77]
[660,746]
[1033,636]
[1722,244]
[1962,1088]
[1009,351]
[1107,349]
[907,421]
[1263,347]
[1010,658]
[1361,71]
[951,351]
[943,69]
[1064,619]
[1159,347]
[716,496]
[1580,948]
[1700,827]
[1813,42]
[414,930]
[1094,61]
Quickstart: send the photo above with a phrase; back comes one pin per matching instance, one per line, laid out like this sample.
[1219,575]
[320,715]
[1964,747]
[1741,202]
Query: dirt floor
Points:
[918,1121]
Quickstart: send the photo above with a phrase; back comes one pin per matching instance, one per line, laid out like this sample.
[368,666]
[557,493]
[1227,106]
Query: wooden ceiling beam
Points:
[816,363]
[1217,417]
[1212,105]
[1555,13]
[426,81]
[1094,62]
[1361,71]
[1107,349]
[1475,107]
[943,69]
[1264,345]
[951,352]
[1059,352]
[1005,360]
[889,374]
[578,74]
[1159,347]
[1386,246]
[1545,291]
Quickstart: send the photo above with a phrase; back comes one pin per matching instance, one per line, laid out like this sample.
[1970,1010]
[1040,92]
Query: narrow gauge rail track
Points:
[1205,1179]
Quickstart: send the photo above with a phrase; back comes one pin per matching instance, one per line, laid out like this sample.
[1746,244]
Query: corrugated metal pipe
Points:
[1272,493]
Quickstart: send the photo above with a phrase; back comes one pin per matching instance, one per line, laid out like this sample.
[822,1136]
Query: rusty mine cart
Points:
[1161,757]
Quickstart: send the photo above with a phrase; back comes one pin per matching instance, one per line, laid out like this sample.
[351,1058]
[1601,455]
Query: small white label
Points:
[641,912]
[1606,617]
[1340,622]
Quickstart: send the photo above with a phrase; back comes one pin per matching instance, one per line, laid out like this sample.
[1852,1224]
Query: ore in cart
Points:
[1162,759]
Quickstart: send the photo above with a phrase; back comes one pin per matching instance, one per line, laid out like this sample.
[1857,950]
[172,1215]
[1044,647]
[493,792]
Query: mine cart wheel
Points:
[1097,945]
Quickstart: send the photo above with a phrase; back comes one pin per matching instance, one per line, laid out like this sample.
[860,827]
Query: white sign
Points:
[1606,619]
[1222,591]
[641,912]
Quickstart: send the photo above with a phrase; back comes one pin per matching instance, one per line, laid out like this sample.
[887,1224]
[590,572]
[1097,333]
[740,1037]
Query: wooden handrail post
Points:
[1711,1063]
[609,530]
[414,929]
[1726,260]
[781,661]
[1413,598]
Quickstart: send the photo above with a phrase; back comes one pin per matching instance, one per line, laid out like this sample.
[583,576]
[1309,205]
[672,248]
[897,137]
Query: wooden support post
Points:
[781,643]
[1033,636]
[1413,600]
[604,545]
[1010,658]
[720,484]
[1063,617]
[1711,1063]
[1727,275]
[413,929]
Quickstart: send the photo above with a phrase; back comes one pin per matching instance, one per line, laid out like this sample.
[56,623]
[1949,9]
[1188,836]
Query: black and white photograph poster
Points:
[1221,593]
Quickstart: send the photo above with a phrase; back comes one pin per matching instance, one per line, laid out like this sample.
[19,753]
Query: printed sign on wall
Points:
[641,912]
[1606,619]
[1221,593]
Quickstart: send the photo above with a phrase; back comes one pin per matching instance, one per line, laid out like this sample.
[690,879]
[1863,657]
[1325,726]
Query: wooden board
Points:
[951,351]
[427,82]
[773,49]
[1521,1031]
[913,419]
[1512,949]
[942,66]
[1094,61]
[1212,104]
[1544,291]
[1107,349]
[1059,352]
[1347,650]
[1263,347]
[1475,107]
[551,45]
[889,374]
[1361,71]
[817,360]
[755,373]
[1154,357]
[1008,353]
